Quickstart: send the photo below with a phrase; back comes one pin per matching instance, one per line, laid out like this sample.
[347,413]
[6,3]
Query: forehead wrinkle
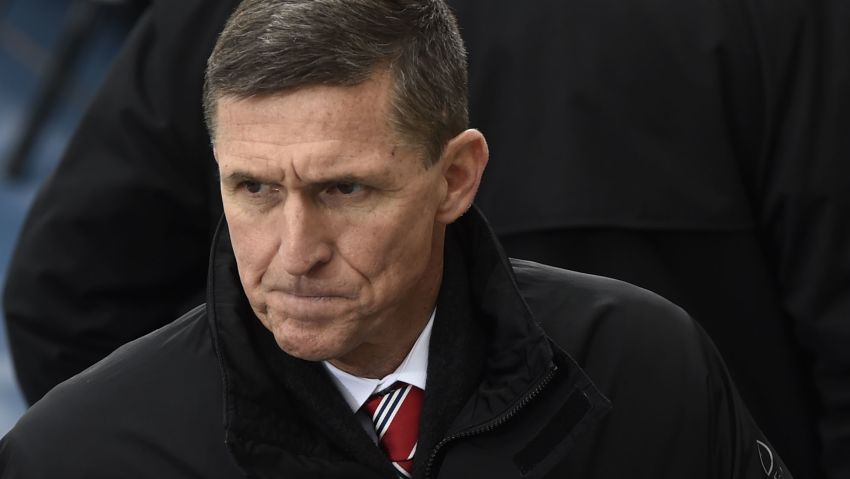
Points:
[264,169]
[277,143]
[308,167]
[320,132]
[318,167]
[279,107]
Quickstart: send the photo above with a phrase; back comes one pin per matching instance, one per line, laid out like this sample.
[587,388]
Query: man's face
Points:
[332,219]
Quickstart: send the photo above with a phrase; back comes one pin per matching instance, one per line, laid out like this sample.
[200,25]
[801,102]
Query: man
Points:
[356,302]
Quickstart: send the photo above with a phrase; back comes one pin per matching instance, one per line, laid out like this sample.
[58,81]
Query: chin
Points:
[309,347]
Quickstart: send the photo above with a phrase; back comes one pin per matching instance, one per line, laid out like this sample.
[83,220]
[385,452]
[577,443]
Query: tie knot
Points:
[395,414]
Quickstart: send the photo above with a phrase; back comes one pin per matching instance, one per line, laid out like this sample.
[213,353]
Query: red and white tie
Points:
[395,414]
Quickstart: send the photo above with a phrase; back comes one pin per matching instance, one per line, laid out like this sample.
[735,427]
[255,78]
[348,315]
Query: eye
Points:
[345,188]
[254,187]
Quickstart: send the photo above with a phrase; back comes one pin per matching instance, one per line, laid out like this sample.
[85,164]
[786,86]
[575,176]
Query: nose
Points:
[305,241]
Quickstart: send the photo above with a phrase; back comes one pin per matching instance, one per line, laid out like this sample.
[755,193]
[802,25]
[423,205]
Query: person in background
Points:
[694,149]
[699,150]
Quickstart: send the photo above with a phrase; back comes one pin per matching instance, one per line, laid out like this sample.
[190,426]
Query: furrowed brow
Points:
[347,178]
[239,176]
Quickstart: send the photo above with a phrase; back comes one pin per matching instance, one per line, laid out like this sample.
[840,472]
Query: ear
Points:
[462,163]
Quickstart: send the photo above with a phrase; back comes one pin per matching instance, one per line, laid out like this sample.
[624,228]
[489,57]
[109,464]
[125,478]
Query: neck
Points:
[378,361]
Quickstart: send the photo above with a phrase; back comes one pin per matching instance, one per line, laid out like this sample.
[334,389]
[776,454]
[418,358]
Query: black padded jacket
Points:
[534,372]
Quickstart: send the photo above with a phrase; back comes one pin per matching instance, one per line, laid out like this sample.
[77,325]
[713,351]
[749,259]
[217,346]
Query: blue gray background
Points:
[30,31]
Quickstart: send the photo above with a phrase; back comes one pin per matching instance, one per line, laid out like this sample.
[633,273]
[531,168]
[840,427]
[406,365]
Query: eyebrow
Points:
[239,176]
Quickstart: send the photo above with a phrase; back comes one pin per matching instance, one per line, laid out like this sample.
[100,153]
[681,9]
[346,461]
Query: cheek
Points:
[253,247]
[390,252]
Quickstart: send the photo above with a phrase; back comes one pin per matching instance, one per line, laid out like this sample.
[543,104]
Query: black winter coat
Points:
[621,384]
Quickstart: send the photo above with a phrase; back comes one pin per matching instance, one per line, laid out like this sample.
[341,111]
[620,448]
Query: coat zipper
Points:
[493,423]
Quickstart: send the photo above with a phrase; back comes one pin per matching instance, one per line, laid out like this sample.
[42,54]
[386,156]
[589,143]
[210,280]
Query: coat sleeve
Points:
[738,448]
[116,242]
[802,207]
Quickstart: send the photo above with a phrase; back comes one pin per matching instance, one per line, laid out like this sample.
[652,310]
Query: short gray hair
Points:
[271,46]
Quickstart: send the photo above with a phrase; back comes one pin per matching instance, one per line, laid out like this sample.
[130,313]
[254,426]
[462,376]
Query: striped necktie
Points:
[395,413]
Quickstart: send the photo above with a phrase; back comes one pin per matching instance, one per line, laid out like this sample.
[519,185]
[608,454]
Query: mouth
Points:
[315,295]
[310,305]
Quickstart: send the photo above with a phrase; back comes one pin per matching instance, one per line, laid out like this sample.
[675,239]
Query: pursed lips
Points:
[312,294]
[312,305]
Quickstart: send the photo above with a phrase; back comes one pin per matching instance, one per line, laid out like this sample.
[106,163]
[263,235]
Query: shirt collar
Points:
[413,370]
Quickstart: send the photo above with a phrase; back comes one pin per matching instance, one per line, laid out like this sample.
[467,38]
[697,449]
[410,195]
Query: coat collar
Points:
[486,353]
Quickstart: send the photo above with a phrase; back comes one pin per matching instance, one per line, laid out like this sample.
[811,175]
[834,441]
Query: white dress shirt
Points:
[413,370]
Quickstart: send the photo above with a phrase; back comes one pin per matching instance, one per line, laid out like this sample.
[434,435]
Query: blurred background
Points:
[53,56]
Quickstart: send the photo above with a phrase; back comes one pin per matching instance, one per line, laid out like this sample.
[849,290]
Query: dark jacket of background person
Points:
[503,399]
[116,242]
[700,150]
[697,149]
